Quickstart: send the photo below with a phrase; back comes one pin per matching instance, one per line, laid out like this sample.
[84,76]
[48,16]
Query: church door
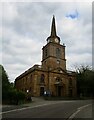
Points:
[59,90]
[41,91]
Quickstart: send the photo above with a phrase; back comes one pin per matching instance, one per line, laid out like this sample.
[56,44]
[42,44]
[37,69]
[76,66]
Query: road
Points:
[53,109]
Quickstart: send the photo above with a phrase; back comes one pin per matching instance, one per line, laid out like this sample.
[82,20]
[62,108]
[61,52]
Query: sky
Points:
[26,25]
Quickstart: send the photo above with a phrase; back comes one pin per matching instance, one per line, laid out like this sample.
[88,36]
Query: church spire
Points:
[53,28]
[53,36]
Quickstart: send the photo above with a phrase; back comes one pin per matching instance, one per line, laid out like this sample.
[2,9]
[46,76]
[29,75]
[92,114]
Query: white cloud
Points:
[9,11]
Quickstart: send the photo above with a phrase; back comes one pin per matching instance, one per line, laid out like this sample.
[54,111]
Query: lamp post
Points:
[27,91]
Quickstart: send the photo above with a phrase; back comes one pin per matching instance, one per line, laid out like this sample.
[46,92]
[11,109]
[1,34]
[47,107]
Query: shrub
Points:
[16,97]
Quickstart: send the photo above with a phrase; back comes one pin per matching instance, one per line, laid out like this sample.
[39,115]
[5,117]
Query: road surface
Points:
[53,109]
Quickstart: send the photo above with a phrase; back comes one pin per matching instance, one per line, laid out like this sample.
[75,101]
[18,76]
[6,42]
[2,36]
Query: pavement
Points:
[36,101]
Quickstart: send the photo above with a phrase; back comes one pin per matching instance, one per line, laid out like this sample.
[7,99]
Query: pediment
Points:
[59,70]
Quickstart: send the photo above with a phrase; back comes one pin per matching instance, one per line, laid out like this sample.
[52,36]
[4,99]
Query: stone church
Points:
[51,76]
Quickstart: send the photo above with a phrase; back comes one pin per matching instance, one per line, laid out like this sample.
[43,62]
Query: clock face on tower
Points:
[56,40]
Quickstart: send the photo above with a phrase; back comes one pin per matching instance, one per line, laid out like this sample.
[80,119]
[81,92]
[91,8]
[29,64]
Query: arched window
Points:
[42,78]
[70,81]
[30,78]
[70,87]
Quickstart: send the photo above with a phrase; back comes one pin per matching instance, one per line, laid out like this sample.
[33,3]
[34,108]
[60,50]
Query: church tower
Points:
[53,55]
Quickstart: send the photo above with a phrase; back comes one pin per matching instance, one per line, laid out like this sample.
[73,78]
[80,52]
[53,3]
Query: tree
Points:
[85,81]
[3,76]
[5,83]
[9,94]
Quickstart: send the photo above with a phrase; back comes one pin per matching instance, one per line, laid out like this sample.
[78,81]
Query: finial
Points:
[54,16]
